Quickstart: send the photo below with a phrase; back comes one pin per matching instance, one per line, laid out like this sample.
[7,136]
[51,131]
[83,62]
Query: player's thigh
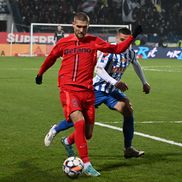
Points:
[115,100]
[71,105]
[118,101]
[100,97]
[124,106]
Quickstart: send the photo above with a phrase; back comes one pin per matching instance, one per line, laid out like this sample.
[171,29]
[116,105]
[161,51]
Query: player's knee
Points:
[124,107]
[76,116]
[128,109]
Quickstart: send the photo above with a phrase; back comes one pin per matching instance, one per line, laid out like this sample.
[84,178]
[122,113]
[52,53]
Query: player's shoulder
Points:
[91,37]
[66,39]
[70,36]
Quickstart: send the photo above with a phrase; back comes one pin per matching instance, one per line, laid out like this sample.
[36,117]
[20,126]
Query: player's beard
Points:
[80,35]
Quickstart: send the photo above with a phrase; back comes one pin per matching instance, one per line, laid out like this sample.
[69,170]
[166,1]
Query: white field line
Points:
[160,70]
[157,66]
[141,134]
[149,122]
[166,68]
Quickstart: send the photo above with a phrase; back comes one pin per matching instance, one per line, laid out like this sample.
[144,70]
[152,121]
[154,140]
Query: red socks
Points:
[79,137]
[70,139]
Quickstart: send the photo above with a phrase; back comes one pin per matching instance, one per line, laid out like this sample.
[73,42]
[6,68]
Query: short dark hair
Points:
[124,30]
[82,16]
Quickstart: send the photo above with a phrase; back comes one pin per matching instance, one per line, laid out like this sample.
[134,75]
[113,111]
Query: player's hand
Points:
[138,30]
[38,79]
[146,88]
[121,86]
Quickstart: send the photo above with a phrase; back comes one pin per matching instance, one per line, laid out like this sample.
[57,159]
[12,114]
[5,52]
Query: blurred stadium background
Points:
[161,23]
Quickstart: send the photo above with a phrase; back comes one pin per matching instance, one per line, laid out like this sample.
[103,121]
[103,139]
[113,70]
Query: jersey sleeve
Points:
[111,48]
[133,56]
[100,68]
[139,71]
[103,59]
[51,59]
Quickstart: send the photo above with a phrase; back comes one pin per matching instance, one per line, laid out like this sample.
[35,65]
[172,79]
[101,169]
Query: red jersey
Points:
[79,59]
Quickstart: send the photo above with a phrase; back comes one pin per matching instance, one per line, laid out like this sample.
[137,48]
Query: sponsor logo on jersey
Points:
[77,51]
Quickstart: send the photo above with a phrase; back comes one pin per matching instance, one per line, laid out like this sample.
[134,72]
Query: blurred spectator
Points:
[163,19]
[4,7]
[58,34]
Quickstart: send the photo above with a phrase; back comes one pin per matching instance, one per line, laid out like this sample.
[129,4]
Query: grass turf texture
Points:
[27,111]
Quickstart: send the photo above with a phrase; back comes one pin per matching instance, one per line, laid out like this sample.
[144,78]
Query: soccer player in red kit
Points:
[78,52]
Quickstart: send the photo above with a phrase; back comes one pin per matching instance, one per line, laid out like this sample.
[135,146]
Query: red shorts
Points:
[83,101]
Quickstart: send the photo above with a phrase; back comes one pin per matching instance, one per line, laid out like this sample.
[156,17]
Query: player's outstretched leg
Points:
[63,125]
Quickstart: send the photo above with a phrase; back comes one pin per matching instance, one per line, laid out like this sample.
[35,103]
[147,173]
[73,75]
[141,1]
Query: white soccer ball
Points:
[73,166]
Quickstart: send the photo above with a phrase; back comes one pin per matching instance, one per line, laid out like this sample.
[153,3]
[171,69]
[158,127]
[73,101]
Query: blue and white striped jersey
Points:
[115,65]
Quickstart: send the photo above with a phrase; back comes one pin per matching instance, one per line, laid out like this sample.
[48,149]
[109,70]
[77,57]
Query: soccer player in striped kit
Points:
[78,52]
[109,89]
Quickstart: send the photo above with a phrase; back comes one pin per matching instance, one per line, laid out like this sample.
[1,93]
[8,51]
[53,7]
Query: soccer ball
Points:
[73,166]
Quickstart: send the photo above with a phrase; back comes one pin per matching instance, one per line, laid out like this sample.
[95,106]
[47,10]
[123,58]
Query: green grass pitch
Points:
[27,111]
